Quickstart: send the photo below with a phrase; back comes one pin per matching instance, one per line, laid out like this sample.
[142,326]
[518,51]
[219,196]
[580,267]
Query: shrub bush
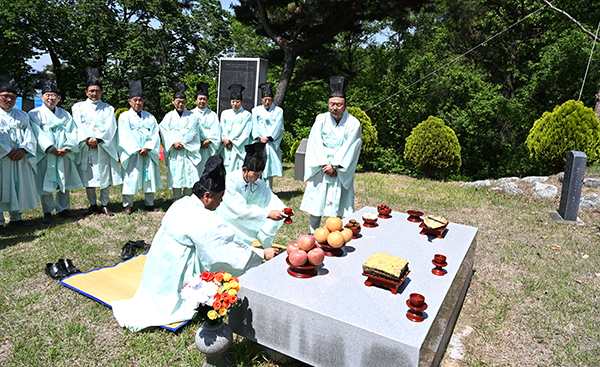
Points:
[118,113]
[570,126]
[433,148]
[369,134]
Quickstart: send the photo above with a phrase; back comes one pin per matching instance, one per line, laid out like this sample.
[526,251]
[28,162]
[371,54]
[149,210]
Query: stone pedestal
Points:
[333,319]
[299,160]
[572,184]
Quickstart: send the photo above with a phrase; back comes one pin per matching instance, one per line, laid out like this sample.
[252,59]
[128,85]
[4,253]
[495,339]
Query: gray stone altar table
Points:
[333,319]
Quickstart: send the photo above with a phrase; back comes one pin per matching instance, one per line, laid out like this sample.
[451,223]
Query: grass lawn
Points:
[534,299]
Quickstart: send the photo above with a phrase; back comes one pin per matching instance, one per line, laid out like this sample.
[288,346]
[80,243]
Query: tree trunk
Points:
[289,62]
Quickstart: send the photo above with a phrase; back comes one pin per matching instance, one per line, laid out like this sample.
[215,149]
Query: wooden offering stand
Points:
[392,285]
[332,251]
[436,232]
[416,305]
[414,216]
[384,211]
[439,261]
[305,271]
[289,213]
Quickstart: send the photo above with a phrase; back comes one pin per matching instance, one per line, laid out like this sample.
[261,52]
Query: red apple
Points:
[316,256]
[298,257]
[292,246]
[306,242]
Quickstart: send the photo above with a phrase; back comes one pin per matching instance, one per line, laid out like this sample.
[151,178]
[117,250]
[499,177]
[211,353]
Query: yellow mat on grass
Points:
[113,283]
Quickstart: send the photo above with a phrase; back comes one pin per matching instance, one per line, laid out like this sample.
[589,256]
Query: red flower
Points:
[217,305]
[226,304]
[207,276]
[234,279]
[233,299]
[219,277]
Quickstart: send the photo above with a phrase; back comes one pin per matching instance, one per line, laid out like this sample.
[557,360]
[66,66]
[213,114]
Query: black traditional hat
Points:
[135,88]
[49,86]
[202,89]
[256,157]
[179,90]
[92,77]
[266,89]
[7,84]
[213,177]
[337,87]
[236,91]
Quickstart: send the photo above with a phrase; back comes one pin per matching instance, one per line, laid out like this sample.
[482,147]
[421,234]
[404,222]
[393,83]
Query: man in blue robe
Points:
[139,144]
[17,157]
[331,158]
[208,123]
[268,128]
[236,125]
[56,134]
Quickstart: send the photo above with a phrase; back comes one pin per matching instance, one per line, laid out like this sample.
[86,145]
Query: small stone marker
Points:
[571,188]
[299,160]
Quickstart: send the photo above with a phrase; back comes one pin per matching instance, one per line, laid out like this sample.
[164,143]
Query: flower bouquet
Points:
[212,295]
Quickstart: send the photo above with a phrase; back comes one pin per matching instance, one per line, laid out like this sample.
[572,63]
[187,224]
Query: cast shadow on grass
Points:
[288,195]
[15,236]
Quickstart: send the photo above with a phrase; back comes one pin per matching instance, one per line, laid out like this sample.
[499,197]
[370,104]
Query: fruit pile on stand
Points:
[333,234]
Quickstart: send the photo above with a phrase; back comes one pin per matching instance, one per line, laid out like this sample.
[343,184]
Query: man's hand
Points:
[55,152]
[228,143]
[263,140]
[177,146]
[276,215]
[19,154]
[205,144]
[92,143]
[144,152]
[62,152]
[329,170]
[271,252]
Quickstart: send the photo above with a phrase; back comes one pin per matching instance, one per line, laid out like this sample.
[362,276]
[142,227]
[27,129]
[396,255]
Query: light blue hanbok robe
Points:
[135,133]
[17,180]
[269,123]
[97,167]
[190,240]
[246,212]
[182,164]
[210,129]
[55,129]
[237,127]
[338,145]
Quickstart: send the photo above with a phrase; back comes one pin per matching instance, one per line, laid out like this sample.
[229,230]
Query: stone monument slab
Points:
[333,319]
[299,160]
[572,184]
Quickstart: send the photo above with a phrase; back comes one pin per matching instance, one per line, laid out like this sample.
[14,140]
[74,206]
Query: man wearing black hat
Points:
[181,139]
[237,130]
[267,121]
[249,207]
[17,157]
[192,239]
[208,123]
[98,161]
[331,158]
[139,145]
[57,150]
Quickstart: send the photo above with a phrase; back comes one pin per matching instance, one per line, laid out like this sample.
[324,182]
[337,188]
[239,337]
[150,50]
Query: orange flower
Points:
[223,312]
[226,304]
[219,277]
[235,279]
[217,305]
[233,299]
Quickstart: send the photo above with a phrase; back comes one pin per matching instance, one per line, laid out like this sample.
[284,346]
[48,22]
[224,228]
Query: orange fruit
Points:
[347,234]
[334,224]
[321,235]
[335,239]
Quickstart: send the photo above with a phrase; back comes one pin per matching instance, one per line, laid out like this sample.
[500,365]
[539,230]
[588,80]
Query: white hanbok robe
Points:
[55,129]
[182,164]
[246,212]
[237,127]
[97,167]
[191,239]
[269,123]
[17,180]
[210,129]
[135,133]
[338,145]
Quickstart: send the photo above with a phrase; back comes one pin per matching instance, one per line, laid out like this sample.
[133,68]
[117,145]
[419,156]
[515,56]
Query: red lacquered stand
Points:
[438,268]
[436,232]
[332,251]
[393,286]
[415,313]
[290,214]
[414,216]
[307,271]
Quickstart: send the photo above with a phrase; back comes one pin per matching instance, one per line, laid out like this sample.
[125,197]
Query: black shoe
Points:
[142,245]
[127,252]
[20,223]
[107,212]
[93,209]
[55,271]
[128,210]
[65,214]
[47,218]
[150,208]
[68,266]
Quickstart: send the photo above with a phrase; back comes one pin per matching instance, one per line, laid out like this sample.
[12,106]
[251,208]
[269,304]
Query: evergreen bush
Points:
[294,148]
[369,134]
[570,126]
[118,113]
[433,148]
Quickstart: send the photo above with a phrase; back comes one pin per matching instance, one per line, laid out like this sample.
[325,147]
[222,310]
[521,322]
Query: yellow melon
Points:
[321,235]
[334,224]
[335,239]
[347,233]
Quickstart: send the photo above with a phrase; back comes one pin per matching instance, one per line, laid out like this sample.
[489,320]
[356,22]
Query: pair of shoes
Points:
[93,209]
[61,269]
[128,210]
[150,208]
[67,264]
[47,218]
[128,249]
[20,223]
[141,244]
[65,214]
[105,211]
